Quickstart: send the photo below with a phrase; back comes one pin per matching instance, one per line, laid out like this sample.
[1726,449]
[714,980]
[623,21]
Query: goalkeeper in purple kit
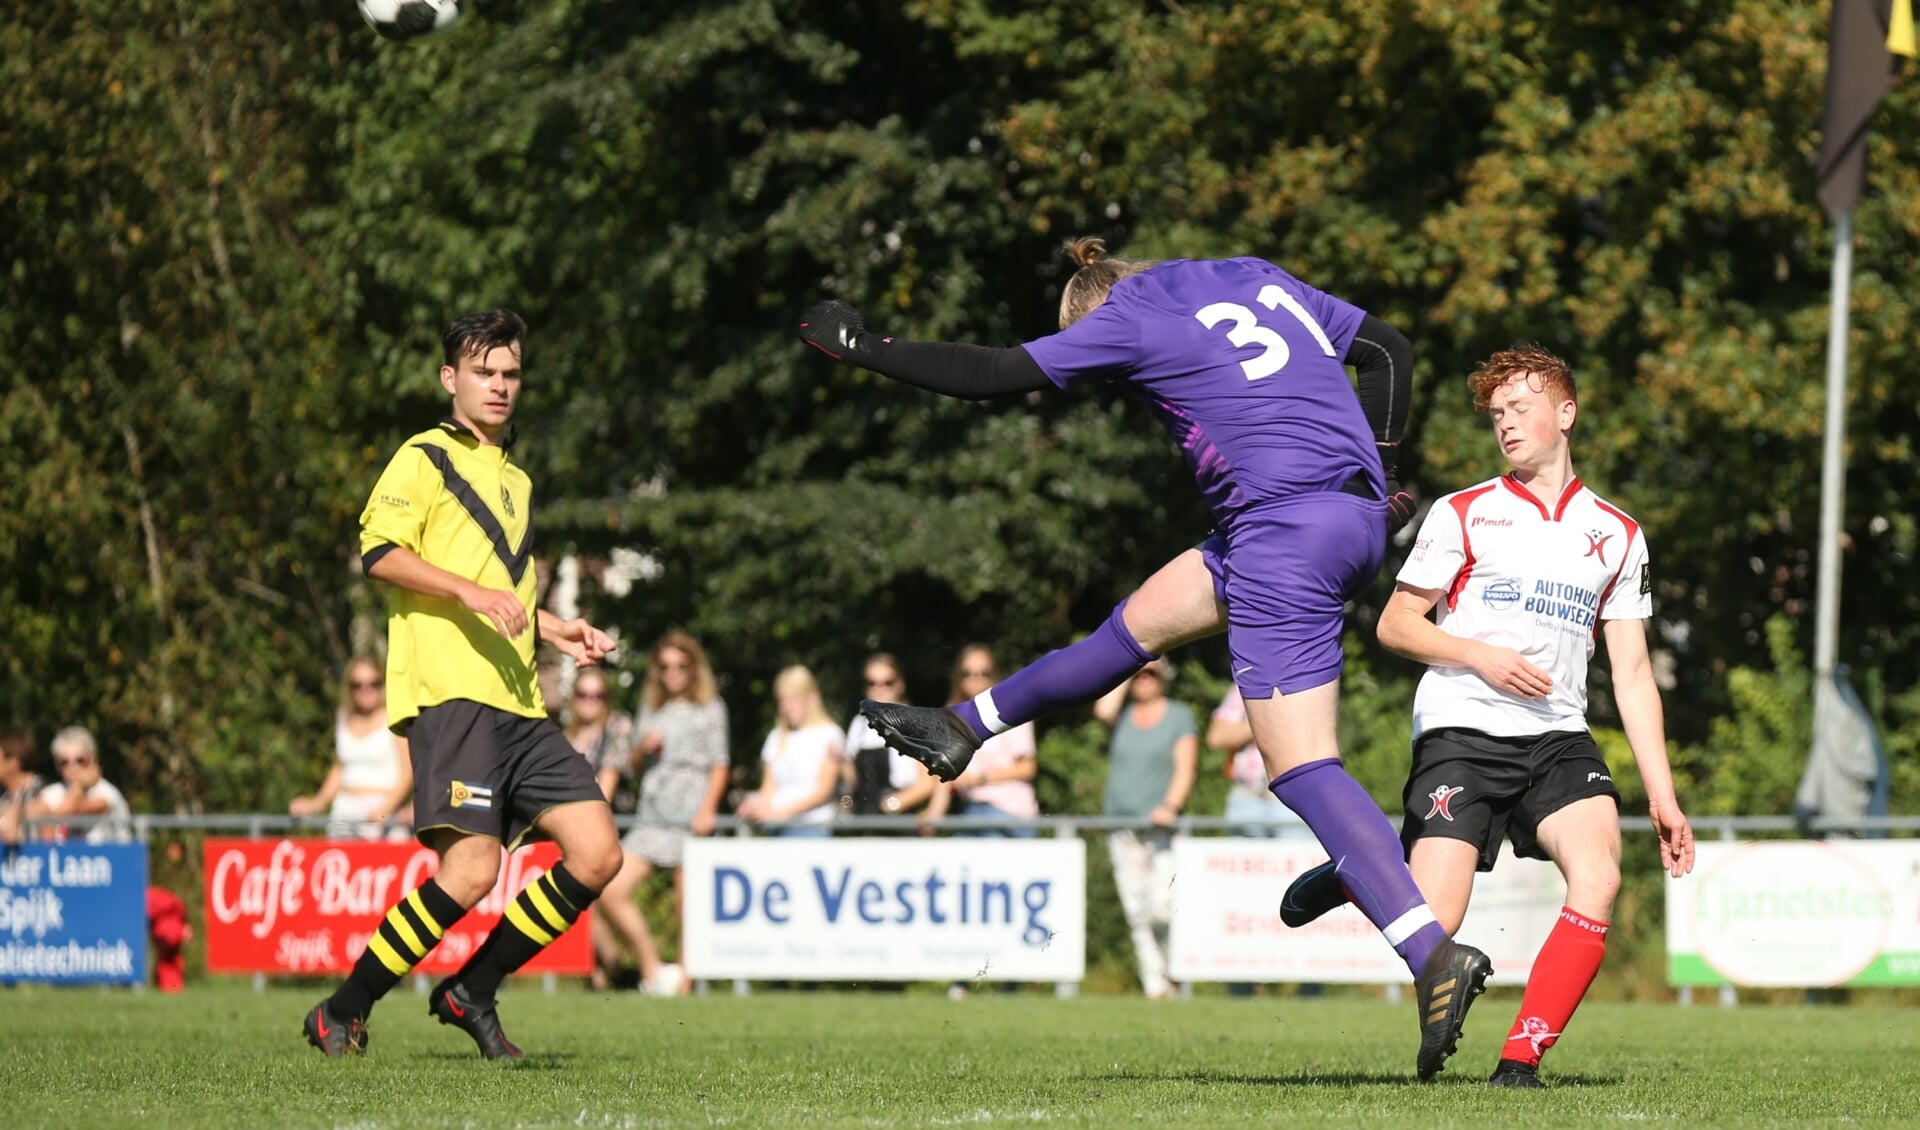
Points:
[1245,365]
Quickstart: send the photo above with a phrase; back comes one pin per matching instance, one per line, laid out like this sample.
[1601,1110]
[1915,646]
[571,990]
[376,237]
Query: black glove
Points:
[1399,507]
[835,329]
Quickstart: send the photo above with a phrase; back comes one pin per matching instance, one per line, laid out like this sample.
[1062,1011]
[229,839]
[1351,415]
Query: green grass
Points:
[224,1055]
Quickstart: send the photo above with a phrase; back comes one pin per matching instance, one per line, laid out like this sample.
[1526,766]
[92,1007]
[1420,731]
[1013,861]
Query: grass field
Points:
[227,1056]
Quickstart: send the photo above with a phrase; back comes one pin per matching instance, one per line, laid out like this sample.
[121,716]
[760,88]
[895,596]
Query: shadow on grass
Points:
[1234,1078]
[1337,1079]
[533,1061]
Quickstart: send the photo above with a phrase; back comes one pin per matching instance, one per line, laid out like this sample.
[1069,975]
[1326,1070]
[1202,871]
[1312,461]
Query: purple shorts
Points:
[1285,570]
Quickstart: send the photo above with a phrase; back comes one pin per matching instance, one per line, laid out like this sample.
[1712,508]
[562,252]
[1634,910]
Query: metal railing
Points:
[259,824]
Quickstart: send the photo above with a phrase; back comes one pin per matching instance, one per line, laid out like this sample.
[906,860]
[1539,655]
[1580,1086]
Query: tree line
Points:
[232,231]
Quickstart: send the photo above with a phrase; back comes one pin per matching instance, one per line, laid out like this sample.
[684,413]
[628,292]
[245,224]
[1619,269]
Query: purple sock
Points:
[1367,855]
[1063,678]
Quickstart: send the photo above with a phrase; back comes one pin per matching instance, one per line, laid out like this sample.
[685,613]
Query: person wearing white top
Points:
[883,781]
[1523,575]
[82,792]
[364,794]
[800,761]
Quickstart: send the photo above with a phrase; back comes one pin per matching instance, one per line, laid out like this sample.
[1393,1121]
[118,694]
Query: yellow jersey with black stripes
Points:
[465,507]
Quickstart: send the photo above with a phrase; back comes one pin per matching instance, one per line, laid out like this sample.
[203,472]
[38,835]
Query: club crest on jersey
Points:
[506,502]
[1442,799]
[463,794]
[1501,595]
[1597,545]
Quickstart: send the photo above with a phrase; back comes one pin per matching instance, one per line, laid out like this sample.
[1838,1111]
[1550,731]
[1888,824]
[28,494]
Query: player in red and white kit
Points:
[1524,574]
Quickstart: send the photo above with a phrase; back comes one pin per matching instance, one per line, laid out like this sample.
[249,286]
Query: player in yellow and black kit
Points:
[450,527]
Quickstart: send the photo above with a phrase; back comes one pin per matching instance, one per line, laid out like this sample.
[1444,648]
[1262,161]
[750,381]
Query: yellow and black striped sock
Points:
[539,914]
[411,928]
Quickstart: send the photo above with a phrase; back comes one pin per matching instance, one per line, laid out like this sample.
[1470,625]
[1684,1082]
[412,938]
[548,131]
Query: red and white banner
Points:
[309,906]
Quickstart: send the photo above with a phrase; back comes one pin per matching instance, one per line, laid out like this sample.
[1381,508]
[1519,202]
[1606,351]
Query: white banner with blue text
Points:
[882,909]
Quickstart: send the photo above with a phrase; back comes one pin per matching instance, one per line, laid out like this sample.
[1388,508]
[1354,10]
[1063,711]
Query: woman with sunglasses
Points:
[82,791]
[603,736]
[998,783]
[1151,759]
[365,792]
[883,782]
[682,749]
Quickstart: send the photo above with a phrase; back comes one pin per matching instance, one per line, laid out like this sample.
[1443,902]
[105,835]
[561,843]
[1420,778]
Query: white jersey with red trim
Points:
[1515,574]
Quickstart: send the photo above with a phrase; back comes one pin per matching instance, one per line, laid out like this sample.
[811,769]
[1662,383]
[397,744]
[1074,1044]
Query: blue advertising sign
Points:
[73,913]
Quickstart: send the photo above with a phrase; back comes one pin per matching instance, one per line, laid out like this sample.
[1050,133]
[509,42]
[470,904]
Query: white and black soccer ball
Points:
[405,20]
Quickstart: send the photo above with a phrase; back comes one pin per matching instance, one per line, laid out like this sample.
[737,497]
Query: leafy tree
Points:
[232,231]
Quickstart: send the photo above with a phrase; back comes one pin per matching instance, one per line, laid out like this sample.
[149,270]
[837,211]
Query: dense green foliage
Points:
[225,1056]
[231,232]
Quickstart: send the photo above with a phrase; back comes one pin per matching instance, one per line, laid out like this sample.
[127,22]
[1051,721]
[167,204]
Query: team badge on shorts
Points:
[467,795]
[1442,797]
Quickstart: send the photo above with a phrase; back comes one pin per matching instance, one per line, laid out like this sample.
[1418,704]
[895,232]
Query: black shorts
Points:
[484,771]
[1470,786]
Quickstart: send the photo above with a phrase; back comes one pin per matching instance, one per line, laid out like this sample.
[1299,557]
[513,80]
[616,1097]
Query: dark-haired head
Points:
[476,334]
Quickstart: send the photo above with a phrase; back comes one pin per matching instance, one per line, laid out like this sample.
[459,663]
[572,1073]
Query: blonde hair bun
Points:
[1087,250]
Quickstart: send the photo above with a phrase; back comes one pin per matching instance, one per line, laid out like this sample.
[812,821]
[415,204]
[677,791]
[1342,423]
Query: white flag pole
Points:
[1833,471]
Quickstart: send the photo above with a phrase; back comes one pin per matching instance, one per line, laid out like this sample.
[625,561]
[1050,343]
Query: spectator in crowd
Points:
[1254,810]
[682,750]
[998,782]
[604,737]
[82,792]
[881,782]
[800,762]
[18,784]
[1151,762]
[365,793]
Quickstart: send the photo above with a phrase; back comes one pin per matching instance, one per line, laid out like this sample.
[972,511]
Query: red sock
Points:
[1567,964]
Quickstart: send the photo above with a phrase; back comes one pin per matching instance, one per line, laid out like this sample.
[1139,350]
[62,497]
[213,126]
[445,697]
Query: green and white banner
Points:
[1797,914]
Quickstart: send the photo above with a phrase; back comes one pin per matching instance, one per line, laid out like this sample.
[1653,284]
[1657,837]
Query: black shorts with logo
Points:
[482,770]
[1470,786]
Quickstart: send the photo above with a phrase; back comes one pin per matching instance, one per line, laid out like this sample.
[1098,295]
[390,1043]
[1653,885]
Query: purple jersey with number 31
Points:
[1242,363]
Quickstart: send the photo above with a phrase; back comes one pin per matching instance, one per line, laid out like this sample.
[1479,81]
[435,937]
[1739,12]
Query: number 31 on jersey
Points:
[1244,328]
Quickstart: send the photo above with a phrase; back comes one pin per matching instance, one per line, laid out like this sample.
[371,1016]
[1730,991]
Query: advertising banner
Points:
[309,906]
[73,913]
[1226,917]
[1797,914]
[886,909]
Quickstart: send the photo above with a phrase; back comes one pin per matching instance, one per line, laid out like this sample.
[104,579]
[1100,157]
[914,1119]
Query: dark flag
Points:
[1859,73]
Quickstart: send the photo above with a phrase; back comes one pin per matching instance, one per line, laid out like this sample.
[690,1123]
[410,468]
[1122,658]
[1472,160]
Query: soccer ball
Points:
[667,982]
[405,20]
